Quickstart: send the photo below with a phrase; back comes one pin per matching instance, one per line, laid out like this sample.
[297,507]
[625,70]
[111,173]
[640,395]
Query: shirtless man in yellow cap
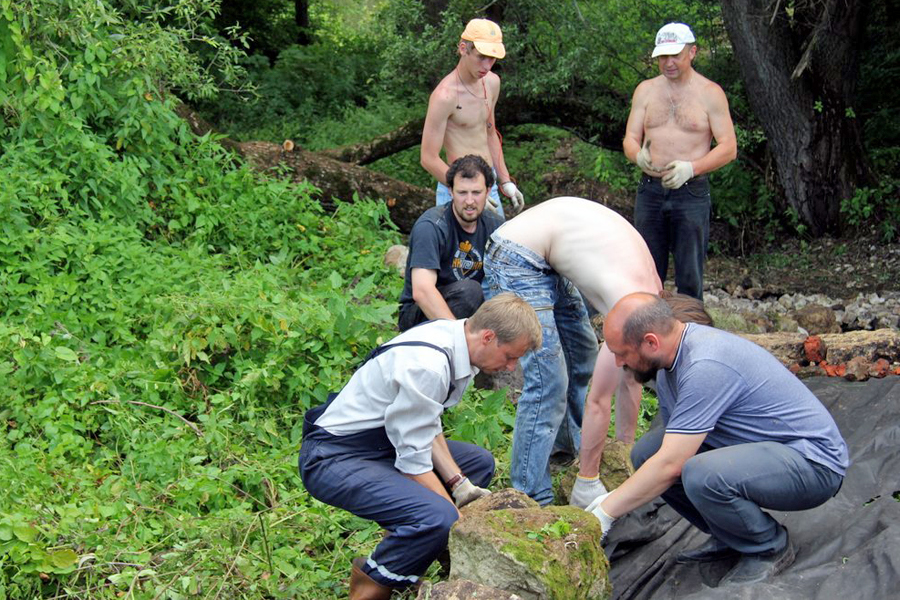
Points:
[460,116]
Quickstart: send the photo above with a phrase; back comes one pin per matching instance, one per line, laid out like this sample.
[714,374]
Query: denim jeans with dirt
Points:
[550,409]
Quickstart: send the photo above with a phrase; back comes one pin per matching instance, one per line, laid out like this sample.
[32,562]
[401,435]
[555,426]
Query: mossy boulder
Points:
[509,498]
[550,553]
[462,589]
[615,468]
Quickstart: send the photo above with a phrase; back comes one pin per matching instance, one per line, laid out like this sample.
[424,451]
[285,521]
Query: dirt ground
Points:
[839,268]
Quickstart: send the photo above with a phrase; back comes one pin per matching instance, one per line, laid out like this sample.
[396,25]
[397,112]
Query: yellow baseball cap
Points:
[486,36]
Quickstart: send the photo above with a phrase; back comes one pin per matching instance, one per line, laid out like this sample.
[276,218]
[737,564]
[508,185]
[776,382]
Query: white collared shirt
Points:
[404,390]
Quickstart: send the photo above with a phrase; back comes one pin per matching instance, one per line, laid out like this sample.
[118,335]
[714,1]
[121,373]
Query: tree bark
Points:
[301,18]
[801,71]
[333,178]
[576,115]
[336,179]
[406,136]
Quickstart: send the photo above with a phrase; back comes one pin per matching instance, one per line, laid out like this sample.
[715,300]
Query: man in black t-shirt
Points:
[446,249]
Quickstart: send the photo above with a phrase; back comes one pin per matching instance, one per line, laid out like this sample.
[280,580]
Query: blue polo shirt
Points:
[738,393]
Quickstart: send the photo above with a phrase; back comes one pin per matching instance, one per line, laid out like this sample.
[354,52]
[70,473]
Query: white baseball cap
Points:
[672,38]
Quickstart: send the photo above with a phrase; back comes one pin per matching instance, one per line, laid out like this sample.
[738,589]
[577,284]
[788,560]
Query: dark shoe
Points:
[753,568]
[363,587]
[711,551]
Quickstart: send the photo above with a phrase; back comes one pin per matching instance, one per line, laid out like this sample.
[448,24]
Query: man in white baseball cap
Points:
[460,117]
[672,39]
[674,119]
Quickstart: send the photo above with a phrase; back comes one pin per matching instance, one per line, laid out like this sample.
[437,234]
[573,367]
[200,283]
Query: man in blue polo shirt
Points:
[741,434]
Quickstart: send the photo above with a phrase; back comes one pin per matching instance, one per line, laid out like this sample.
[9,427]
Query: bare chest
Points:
[470,112]
[685,113]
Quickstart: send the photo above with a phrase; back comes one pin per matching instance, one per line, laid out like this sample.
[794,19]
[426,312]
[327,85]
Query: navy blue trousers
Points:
[356,473]
[676,221]
[722,491]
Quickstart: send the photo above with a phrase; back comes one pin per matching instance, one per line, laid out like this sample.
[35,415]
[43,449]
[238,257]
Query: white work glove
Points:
[492,204]
[679,173]
[585,490]
[465,492]
[643,159]
[606,521]
[515,196]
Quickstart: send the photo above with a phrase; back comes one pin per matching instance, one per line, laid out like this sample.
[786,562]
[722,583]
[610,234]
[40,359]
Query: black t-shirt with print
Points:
[437,242]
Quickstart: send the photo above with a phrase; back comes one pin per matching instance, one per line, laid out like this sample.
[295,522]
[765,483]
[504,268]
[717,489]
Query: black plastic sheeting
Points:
[847,548]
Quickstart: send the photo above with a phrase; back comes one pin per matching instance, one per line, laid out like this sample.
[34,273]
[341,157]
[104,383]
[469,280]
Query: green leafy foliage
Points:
[166,317]
[554,531]
[879,205]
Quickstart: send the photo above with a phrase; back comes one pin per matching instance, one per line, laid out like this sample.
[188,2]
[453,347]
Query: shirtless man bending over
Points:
[674,118]
[460,116]
[543,255]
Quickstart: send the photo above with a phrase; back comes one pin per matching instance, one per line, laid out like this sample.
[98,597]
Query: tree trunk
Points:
[336,179]
[801,71]
[571,113]
[406,136]
[301,18]
[333,178]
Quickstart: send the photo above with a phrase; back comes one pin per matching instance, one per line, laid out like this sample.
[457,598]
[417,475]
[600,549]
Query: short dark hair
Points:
[655,316]
[469,166]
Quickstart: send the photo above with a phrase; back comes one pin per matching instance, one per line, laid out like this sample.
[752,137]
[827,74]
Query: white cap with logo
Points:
[672,39]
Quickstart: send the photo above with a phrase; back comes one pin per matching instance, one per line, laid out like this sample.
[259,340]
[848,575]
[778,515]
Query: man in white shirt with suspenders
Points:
[376,448]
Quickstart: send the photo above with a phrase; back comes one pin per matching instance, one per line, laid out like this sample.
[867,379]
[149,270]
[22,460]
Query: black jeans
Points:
[463,297]
[676,221]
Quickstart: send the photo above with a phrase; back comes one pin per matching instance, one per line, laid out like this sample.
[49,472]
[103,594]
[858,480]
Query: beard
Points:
[646,373]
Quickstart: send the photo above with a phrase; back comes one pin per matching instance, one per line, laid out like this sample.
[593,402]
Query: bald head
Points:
[638,314]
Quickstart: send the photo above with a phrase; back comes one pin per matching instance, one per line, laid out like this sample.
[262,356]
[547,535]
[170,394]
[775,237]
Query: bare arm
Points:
[597,412]
[431,481]
[493,139]
[634,128]
[426,295]
[445,466]
[723,132]
[443,461]
[655,476]
[440,106]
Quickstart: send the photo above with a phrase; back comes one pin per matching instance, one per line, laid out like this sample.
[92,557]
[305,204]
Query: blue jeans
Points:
[722,491]
[676,221]
[551,406]
[356,473]
[442,196]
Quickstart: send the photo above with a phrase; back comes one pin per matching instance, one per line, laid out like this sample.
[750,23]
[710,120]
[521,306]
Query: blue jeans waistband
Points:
[499,247]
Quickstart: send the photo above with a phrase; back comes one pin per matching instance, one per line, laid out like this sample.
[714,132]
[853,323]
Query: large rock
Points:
[871,345]
[462,589]
[503,499]
[550,553]
[817,319]
[396,257]
[615,468]
[786,347]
